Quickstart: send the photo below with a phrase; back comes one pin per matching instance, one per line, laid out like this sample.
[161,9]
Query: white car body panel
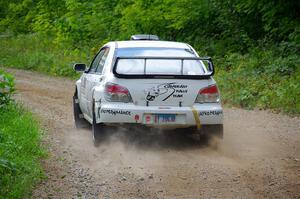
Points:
[120,113]
[164,96]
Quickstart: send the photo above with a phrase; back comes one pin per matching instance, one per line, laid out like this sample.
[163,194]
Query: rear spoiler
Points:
[210,73]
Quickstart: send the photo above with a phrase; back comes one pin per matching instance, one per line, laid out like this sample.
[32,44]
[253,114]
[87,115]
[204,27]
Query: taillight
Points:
[209,94]
[117,93]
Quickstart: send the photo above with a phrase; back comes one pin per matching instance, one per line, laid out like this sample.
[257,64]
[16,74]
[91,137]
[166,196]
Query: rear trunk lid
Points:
[162,76]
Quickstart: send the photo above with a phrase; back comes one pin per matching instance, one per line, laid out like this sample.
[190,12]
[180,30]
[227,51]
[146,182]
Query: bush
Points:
[20,148]
[262,79]
[7,87]
[20,152]
[39,53]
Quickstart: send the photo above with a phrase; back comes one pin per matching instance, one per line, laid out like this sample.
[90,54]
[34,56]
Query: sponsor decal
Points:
[115,112]
[148,118]
[166,90]
[206,113]
[136,117]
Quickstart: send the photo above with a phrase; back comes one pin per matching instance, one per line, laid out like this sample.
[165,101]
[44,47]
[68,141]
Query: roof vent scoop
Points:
[144,37]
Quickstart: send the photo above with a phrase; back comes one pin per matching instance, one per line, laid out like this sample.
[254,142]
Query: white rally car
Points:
[147,82]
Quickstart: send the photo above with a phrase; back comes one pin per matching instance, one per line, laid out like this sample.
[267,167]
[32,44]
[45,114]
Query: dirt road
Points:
[259,156]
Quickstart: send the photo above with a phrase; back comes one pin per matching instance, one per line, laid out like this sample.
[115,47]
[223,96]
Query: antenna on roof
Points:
[144,37]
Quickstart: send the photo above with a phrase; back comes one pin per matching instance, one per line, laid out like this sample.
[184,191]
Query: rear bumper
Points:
[208,114]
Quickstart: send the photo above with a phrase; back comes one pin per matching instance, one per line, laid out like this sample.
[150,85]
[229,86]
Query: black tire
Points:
[98,130]
[210,131]
[80,122]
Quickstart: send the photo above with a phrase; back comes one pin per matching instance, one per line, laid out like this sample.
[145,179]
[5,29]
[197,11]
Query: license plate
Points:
[164,118]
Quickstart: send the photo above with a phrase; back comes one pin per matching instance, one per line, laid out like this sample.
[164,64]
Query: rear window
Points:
[148,65]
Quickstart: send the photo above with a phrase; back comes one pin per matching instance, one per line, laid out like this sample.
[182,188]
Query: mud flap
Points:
[197,118]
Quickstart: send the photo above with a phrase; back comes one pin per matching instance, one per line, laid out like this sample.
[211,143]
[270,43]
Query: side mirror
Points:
[79,67]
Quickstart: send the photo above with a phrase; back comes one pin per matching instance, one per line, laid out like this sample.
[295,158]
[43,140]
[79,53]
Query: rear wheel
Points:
[210,131]
[80,122]
[207,132]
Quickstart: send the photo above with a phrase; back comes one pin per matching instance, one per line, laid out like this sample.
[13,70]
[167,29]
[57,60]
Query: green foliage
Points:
[216,27]
[33,52]
[20,152]
[16,15]
[262,79]
[7,87]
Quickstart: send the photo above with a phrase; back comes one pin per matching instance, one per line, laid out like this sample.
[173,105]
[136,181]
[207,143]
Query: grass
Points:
[266,77]
[32,52]
[20,152]
[261,79]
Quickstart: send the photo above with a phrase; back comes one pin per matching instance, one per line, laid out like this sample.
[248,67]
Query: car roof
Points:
[149,44]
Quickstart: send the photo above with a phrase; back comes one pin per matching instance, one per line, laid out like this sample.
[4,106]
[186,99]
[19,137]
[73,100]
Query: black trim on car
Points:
[88,69]
[164,76]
